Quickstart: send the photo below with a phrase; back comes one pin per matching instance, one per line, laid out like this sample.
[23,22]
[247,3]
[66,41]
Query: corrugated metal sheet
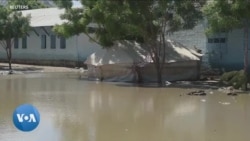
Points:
[45,16]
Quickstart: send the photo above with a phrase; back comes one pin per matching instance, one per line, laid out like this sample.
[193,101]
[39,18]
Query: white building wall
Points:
[78,48]
[230,55]
[193,37]
[235,47]
[85,46]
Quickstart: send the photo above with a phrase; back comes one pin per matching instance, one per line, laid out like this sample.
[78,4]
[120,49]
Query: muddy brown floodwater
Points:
[72,109]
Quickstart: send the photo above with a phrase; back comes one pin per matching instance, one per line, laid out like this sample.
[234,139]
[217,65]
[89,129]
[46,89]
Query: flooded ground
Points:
[76,110]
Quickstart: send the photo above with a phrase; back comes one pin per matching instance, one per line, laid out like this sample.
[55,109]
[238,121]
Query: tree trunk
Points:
[158,71]
[9,53]
[159,76]
[159,59]
[246,55]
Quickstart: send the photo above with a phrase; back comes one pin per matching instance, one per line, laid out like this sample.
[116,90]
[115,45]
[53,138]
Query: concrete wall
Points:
[225,56]
[229,55]
[78,48]
[193,37]
[187,70]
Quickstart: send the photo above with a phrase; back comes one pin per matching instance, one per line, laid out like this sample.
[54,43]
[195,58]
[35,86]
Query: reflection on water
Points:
[78,110]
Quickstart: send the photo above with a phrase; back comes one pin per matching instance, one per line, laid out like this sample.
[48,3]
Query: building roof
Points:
[44,17]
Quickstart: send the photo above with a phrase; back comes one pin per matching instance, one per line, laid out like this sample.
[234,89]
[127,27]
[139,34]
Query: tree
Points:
[226,15]
[12,25]
[32,4]
[144,21]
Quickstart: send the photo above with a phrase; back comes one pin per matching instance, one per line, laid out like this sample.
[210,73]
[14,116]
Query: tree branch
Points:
[3,44]
[94,40]
[164,25]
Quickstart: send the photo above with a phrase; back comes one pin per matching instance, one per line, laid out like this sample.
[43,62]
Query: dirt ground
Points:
[33,68]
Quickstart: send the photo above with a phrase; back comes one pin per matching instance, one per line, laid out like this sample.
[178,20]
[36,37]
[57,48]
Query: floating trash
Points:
[211,92]
[203,100]
[197,93]
[167,83]
[225,103]
[232,94]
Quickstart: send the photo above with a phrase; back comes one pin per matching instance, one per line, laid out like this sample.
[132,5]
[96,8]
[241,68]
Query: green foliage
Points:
[32,4]
[12,24]
[64,3]
[128,19]
[225,15]
[144,21]
[228,76]
[237,79]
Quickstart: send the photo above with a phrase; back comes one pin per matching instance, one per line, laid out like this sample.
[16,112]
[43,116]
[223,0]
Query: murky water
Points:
[76,110]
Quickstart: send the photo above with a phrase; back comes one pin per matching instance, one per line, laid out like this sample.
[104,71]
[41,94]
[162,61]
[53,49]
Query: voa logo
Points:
[26,117]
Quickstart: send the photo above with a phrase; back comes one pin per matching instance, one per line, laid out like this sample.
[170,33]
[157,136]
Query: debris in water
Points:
[197,93]
[225,103]
[211,92]
[203,100]
[167,83]
[232,94]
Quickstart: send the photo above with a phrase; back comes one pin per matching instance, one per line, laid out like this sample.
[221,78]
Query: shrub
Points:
[237,79]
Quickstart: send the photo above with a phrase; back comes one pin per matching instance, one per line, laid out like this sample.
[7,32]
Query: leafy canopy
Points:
[140,20]
[225,15]
[12,24]
[32,4]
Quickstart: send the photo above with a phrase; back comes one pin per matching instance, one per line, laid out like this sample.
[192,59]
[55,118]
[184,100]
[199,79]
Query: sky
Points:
[76,3]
